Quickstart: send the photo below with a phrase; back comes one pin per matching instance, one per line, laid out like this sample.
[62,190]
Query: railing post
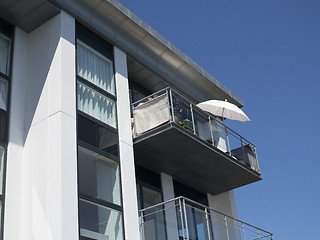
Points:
[226,224]
[181,217]
[244,234]
[227,138]
[171,102]
[257,161]
[168,103]
[192,117]
[210,124]
[185,218]
[134,121]
[208,224]
[258,234]
[242,147]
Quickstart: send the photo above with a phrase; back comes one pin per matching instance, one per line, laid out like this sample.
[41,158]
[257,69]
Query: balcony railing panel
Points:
[168,106]
[194,221]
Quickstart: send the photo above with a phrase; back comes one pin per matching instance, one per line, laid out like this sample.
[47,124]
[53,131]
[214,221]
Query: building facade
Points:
[100,135]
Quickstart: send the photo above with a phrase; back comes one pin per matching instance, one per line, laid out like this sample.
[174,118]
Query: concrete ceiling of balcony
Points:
[117,24]
[191,161]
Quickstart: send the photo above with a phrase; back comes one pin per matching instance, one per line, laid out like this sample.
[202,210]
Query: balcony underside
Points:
[190,160]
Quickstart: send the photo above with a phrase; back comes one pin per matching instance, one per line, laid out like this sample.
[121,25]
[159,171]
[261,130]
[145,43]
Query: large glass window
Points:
[98,176]
[3,93]
[99,222]
[94,67]
[4,54]
[97,136]
[96,105]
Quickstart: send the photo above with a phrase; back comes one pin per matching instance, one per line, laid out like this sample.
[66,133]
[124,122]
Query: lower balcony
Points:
[184,219]
[174,136]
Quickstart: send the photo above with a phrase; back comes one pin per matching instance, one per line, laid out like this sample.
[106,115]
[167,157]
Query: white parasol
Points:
[224,109]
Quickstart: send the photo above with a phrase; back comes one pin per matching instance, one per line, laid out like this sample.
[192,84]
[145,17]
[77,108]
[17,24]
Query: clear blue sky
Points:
[268,53]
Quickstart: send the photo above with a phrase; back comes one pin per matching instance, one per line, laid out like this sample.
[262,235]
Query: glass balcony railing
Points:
[168,106]
[184,219]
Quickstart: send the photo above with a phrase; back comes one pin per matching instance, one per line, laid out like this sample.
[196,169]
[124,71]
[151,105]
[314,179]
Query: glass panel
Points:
[154,222]
[96,105]
[97,136]
[3,94]
[95,68]
[99,222]
[182,114]
[4,54]
[98,176]
[202,126]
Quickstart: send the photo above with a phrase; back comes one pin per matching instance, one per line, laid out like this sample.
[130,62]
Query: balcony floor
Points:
[190,160]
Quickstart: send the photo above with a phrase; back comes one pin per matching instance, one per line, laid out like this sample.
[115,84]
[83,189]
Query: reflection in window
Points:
[4,54]
[99,222]
[97,136]
[3,93]
[94,67]
[96,105]
[98,176]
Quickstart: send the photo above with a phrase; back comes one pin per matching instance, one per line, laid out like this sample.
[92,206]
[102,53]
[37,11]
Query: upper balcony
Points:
[174,136]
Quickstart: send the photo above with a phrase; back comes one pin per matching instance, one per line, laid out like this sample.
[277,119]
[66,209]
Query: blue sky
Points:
[268,53]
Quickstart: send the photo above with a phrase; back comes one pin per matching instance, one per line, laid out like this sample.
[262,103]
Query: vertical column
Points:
[46,129]
[129,194]
[170,212]
[225,203]
[12,224]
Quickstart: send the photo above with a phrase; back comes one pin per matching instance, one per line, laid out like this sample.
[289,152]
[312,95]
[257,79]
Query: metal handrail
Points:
[200,206]
[205,116]
[194,106]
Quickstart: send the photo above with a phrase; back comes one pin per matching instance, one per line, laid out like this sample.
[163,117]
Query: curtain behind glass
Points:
[3,94]
[96,105]
[4,55]
[95,68]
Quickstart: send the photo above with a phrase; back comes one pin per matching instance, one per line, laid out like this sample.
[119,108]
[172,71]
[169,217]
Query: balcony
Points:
[184,219]
[172,135]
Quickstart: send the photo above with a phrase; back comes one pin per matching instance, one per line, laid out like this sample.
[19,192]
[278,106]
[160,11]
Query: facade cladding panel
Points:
[71,163]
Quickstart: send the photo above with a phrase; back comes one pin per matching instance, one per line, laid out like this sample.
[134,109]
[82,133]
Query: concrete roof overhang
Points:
[111,20]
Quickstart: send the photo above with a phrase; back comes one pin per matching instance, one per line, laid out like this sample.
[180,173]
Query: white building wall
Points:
[129,192]
[12,223]
[42,159]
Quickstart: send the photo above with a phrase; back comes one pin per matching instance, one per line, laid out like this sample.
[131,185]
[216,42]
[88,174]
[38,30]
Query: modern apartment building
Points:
[100,135]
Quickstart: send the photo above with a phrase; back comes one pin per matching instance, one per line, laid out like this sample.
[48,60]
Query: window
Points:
[98,176]
[99,222]
[3,93]
[96,105]
[100,210]
[95,68]
[4,54]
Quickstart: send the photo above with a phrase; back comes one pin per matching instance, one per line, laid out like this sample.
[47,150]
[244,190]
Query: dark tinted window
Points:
[3,126]
[97,136]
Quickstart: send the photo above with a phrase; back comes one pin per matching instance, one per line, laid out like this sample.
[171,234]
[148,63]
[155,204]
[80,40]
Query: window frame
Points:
[105,49]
